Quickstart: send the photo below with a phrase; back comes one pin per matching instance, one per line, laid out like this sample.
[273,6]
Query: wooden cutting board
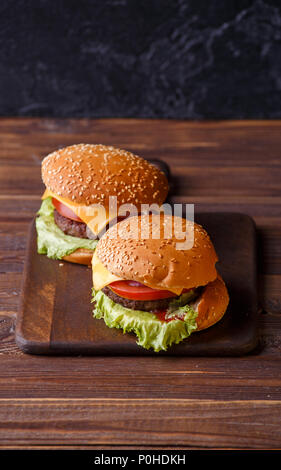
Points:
[55,315]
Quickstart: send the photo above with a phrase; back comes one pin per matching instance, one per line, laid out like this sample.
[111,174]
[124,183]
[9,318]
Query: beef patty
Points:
[78,229]
[144,305]
[70,227]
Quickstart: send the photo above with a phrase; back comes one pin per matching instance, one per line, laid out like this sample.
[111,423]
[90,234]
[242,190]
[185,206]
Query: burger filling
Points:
[59,236]
[72,227]
[157,323]
[69,222]
[162,307]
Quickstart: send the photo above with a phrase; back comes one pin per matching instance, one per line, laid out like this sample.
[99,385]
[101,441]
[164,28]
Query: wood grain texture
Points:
[201,402]
[135,421]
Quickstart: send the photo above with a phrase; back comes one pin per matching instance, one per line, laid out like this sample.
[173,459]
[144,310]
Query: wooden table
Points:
[149,402]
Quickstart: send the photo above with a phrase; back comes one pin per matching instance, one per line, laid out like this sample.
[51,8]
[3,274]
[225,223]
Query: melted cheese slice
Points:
[102,277]
[95,216]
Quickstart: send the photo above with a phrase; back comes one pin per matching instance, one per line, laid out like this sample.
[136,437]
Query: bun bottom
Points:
[80,256]
[212,304]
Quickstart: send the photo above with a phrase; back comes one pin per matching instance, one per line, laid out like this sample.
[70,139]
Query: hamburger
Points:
[76,208]
[154,286]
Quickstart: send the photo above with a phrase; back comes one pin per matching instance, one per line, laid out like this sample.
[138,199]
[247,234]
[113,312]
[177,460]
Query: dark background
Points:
[156,58]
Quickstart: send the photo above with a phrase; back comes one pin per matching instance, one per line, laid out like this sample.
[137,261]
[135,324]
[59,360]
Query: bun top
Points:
[140,248]
[89,174]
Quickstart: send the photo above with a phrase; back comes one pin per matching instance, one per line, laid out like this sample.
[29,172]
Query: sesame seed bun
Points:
[211,304]
[161,262]
[88,174]
[80,256]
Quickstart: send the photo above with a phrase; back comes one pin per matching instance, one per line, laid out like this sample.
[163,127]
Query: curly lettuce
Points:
[51,240]
[150,331]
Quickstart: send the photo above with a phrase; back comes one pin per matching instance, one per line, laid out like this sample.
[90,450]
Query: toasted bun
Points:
[156,261]
[80,256]
[88,174]
[212,304]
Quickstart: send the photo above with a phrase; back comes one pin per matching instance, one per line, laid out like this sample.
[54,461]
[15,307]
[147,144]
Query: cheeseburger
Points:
[80,180]
[156,286]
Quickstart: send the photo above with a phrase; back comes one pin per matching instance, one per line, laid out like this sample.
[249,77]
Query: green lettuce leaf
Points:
[150,331]
[51,240]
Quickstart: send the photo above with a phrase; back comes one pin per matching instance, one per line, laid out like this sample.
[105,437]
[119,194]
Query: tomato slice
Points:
[161,315]
[136,291]
[65,211]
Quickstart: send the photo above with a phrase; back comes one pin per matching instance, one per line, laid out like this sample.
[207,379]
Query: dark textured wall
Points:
[154,58]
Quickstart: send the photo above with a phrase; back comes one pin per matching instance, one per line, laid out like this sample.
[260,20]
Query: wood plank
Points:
[255,376]
[191,152]
[20,180]
[270,293]
[226,181]
[10,289]
[255,206]
[199,423]
[43,135]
